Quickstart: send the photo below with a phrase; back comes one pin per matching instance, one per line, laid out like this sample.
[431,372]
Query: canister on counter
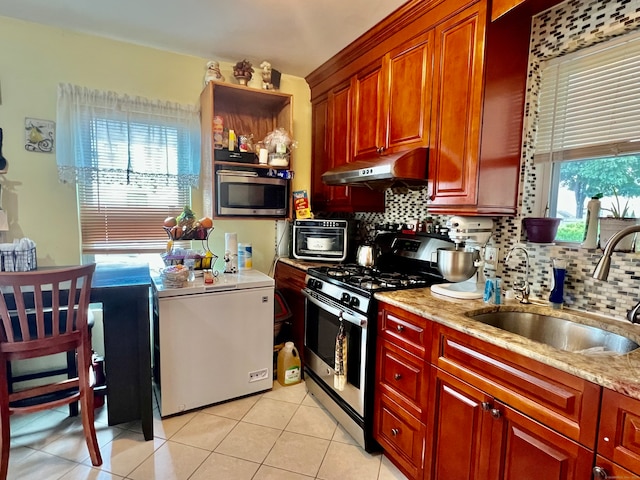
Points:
[245,254]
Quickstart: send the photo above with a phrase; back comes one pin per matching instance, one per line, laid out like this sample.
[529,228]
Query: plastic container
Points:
[289,371]
[556,297]
[591,231]
[245,253]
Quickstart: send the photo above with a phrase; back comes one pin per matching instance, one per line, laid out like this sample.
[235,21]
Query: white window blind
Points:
[133,161]
[590,103]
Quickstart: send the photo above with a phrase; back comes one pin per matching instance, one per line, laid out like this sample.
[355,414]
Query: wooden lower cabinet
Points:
[449,406]
[478,437]
[530,450]
[618,437]
[460,445]
[401,435]
[402,387]
[605,469]
[290,282]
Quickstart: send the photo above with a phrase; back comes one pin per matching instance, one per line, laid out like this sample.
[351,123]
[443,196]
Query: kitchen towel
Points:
[340,367]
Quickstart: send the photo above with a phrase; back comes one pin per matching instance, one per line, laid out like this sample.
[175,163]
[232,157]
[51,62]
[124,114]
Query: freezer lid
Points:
[224,282]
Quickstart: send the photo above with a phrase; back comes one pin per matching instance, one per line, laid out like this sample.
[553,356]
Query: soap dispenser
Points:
[557,288]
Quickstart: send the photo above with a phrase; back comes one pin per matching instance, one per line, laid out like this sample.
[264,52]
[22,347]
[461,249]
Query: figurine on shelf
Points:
[243,71]
[270,77]
[213,73]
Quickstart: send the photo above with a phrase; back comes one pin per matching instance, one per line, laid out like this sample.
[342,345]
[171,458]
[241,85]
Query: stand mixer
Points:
[463,264]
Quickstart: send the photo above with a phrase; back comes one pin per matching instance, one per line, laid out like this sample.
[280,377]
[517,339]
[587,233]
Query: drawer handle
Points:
[400,328]
[397,376]
[395,431]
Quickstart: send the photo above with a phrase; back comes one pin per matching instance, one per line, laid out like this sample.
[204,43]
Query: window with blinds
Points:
[589,103]
[588,135]
[122,209]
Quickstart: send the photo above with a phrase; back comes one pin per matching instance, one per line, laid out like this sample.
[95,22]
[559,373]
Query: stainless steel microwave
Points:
[251,193]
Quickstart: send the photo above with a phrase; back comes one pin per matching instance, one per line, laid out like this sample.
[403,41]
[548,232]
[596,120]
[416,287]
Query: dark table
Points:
[123,290]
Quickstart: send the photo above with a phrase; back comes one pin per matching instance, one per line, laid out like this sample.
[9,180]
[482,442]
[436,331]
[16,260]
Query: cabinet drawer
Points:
[401,435]
[404,377]
[290,277]
[619,433]
[562,401]
[409,331]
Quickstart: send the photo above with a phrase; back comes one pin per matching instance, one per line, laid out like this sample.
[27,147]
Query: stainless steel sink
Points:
[557,332]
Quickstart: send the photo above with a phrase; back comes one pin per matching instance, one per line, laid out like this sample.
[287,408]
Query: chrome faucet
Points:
[522,289]
[601,271]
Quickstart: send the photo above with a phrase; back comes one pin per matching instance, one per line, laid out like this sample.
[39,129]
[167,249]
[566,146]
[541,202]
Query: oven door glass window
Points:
[321,332]
[328,242]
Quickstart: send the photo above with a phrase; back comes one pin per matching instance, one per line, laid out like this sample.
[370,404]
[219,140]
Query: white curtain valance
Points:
[113,138]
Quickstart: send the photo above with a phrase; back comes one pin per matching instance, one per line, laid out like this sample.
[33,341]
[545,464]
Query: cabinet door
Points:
[409,94]
[531,451]
[339,138]
[369,119]
[320,145]
[461,430]
[619,432]
[339,151]
[290,282]
[455,131]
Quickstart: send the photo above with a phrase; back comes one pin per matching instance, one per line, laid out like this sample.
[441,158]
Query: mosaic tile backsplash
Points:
[565,28]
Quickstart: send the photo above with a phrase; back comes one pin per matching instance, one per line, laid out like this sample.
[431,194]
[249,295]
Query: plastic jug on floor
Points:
[289,371]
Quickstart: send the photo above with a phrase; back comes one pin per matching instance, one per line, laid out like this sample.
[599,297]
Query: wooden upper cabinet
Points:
[339,139]
[368,121]
[500,7]
[332,147]
[320,145]
[409,94]
[529,8]
[455,129]
[437,73]
[393,100]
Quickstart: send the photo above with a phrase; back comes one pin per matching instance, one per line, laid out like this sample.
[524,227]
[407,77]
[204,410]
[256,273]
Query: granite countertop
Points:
[616,372]
[303,264]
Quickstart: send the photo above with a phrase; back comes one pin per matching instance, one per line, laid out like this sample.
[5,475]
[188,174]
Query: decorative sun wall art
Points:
[39,135]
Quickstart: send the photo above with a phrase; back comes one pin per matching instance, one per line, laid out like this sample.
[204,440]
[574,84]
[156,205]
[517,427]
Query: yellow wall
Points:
[34,59]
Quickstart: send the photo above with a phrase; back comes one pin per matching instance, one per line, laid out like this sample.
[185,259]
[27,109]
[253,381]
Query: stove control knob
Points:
[355,302]
[314,284]
[346,298]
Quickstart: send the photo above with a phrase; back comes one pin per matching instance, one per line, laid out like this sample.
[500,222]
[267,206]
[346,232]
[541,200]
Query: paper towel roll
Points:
[231,243]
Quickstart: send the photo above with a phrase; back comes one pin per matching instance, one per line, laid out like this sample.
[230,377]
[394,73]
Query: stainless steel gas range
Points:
[340,324]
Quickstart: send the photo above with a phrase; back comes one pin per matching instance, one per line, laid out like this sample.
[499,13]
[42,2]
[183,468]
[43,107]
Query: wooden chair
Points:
[43,313]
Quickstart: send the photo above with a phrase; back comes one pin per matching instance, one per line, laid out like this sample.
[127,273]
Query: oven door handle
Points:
[359,320]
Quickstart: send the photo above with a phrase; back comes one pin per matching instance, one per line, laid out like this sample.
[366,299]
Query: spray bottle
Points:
[557,289]
[591,225]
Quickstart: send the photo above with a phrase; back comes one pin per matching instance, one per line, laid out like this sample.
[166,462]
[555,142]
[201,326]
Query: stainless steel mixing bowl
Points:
[457,265]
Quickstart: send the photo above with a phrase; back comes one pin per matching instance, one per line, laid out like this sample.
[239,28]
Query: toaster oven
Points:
[320,240]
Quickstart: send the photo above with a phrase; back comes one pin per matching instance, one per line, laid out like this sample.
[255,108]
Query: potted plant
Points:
[541,229]
[620,218]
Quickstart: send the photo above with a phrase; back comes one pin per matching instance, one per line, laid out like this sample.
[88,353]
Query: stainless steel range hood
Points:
[404,169]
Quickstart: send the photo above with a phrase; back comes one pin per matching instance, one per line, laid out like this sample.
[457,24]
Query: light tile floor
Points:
[282,434]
